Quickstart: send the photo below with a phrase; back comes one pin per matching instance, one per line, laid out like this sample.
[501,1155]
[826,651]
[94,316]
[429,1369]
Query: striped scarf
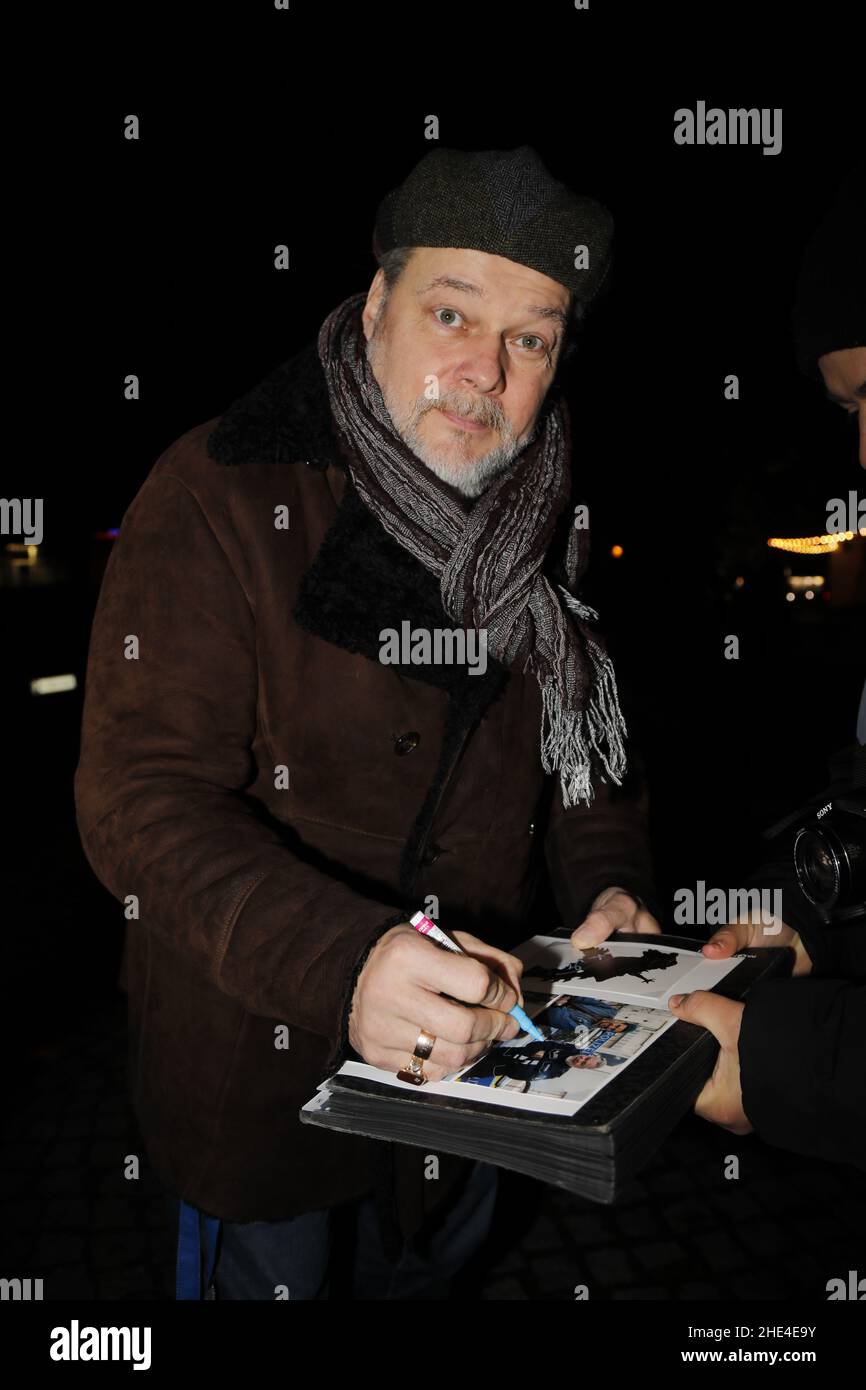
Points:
[488,555]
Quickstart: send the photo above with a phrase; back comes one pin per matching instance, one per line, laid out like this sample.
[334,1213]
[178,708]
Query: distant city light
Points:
[29,554]
[616,551]
[811,545]
[50,685]
[805,581]
[790,597]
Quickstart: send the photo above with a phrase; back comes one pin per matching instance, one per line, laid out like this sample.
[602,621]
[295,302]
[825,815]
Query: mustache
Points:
[482,412]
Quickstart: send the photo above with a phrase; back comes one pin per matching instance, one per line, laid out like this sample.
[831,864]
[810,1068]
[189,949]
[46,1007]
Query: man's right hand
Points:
[401,990]
[747,935]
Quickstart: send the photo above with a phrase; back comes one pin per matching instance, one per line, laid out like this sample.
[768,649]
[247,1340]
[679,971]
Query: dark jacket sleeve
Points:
[165,759]
[589,848]
[802,1053]
[802,1042]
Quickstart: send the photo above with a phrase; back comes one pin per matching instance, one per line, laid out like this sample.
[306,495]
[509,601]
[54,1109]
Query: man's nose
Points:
[481,368]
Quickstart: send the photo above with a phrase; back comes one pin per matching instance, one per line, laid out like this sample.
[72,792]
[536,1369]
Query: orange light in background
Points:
[811,545]
[805,581]
[616,551]
[29,554]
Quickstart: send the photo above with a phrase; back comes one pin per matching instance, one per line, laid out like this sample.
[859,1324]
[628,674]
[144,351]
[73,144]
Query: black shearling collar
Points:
[286,418]
[361,580]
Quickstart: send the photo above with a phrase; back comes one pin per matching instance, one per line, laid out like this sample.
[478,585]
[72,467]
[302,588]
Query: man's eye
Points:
[531,337]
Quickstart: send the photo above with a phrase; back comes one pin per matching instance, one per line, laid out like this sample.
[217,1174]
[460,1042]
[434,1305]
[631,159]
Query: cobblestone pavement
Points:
[683,1231]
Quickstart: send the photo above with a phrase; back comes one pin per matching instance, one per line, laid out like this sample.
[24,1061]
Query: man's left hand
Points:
[721,1100]
[613,910]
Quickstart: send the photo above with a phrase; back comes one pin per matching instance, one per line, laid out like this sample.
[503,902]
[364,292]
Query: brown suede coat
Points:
[274,797]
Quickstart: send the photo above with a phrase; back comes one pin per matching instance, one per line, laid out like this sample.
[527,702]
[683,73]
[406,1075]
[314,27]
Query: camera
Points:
[830,858]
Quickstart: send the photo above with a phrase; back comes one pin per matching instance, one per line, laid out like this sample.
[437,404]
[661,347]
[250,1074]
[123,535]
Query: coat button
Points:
[532,827]
[431,854]
[405,743]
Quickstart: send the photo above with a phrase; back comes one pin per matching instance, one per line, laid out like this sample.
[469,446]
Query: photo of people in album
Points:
[586,1040]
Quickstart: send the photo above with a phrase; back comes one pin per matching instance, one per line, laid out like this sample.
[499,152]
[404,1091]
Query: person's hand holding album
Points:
[748,935]
[613,910]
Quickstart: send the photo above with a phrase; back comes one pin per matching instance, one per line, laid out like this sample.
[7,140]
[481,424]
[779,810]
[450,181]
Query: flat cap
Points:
[504,202]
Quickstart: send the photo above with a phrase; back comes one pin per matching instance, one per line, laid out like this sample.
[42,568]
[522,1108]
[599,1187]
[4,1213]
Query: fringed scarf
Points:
[488,555]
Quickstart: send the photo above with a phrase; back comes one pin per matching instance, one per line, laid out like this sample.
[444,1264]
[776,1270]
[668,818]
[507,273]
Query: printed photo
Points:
[587,1041]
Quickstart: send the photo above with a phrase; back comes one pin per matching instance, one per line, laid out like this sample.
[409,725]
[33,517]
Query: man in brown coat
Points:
[271,783]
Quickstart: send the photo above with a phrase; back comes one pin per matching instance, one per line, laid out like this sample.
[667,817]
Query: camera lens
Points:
[819,872]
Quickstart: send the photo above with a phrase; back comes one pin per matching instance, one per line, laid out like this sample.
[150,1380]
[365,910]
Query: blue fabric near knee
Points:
[462,1230]
[189,1249]
[258,1257]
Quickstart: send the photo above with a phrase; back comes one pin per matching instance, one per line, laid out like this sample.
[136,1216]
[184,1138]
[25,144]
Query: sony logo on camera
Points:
[830,858]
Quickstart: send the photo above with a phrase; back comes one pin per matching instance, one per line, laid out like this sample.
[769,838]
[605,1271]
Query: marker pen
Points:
[428,928]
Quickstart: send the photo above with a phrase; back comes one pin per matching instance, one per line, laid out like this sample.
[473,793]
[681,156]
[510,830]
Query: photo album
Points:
[585,1108]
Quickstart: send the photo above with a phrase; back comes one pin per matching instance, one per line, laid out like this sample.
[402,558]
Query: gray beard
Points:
[470,477]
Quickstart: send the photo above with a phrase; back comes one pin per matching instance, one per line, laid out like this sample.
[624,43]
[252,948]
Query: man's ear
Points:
[375,297]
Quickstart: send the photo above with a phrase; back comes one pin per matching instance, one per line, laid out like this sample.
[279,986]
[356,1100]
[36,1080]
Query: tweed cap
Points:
[504,202]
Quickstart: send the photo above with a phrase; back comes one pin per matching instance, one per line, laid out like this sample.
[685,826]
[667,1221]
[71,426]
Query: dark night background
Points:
[169,275]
